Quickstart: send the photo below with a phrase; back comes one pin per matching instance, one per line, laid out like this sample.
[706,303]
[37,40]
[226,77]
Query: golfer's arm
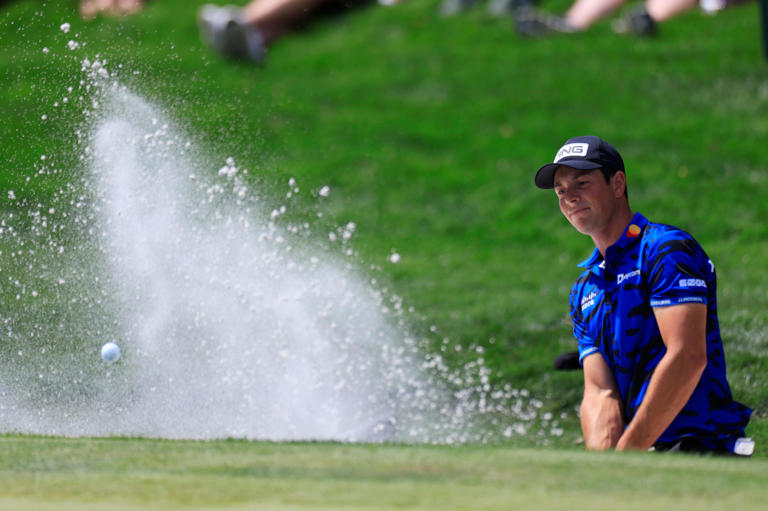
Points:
[601,418]
[683,329]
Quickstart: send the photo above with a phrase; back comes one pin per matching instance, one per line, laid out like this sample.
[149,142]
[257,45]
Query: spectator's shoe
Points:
[223,29]
[636,21]
[712,7]
[532,22]
[453,7]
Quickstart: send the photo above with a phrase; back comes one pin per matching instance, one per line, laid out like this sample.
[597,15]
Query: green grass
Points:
[117,474]
[428,131]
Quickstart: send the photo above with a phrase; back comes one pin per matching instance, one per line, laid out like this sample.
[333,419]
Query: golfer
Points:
[644,315]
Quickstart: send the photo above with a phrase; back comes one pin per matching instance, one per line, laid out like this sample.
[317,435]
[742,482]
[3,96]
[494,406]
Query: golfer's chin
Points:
[581,223]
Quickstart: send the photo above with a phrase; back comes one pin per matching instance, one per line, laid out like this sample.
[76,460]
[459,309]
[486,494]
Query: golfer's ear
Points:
[619,183]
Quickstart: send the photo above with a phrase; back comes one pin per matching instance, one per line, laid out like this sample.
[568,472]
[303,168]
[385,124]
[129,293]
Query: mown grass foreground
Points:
[127,474]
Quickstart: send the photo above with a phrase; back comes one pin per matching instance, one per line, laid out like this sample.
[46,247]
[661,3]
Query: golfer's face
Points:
[585,199]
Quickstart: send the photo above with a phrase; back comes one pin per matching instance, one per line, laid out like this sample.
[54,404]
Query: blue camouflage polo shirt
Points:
[655,265]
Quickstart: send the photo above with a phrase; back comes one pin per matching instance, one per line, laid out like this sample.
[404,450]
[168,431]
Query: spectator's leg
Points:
[90,8]
[275,17]
[662,10]
[583,13]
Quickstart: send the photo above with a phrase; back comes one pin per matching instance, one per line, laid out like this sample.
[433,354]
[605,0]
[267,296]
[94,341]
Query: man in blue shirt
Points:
[644,314]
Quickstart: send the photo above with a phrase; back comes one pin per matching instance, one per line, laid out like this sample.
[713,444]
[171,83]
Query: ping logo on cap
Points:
[578,149]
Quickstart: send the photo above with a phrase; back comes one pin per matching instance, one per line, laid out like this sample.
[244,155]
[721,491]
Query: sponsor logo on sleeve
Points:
[692,283]
[578,149]
[679,301]
[691,299]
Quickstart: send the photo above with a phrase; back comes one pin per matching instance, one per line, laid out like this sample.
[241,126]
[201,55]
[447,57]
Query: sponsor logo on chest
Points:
[588,301]
[621,277]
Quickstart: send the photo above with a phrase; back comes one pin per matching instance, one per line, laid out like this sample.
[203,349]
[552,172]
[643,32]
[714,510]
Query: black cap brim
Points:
[545,177]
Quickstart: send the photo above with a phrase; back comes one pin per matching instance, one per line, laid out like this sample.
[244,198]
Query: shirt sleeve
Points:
[586,344]
[678,272]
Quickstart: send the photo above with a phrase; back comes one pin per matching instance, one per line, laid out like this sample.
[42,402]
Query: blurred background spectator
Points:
[246,32]
[90,8]
[642,19]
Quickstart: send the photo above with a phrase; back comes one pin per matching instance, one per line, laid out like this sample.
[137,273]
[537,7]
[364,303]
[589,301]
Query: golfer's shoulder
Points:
[581,282]
[661,240]
[654,231]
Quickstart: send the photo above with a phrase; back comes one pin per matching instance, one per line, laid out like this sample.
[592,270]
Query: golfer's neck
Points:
[613,230]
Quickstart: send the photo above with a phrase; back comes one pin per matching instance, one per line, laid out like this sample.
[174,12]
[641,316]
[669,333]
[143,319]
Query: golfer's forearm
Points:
[601,421]
[669,390]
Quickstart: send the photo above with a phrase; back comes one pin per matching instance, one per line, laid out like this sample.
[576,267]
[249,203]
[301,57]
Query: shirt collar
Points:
[592,260]
[633,231]
[631,234]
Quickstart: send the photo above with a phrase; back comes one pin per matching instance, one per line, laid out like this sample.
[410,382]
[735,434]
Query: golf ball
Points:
[110,352]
